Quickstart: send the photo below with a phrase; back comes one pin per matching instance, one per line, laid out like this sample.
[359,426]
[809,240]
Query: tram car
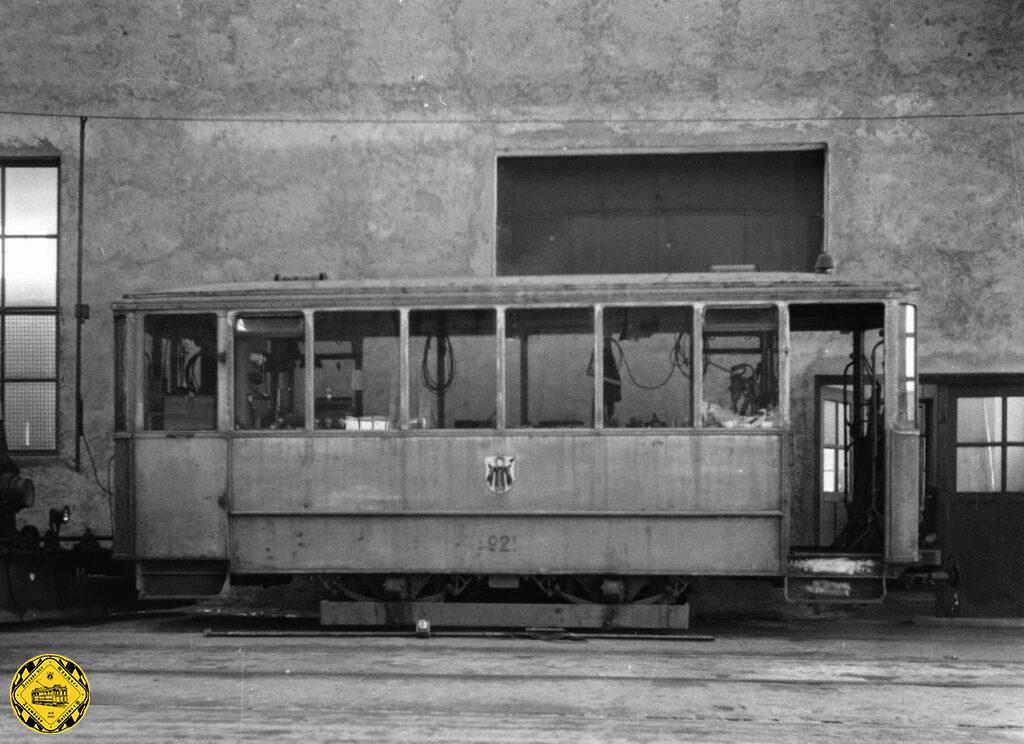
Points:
[55,696]
[526,450]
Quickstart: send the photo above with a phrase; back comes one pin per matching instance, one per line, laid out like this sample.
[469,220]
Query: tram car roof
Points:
[741,287]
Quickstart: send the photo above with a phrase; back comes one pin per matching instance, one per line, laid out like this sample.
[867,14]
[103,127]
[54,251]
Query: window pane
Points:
[548,368]
[647,366]
[829,410]
[909,319]
[978,469]
[31,198]
[355,377]
[180,354]
[269,367]
[741,386]
[1015,419]
[30,271]
[908,402]
[828,469]
[841,470]
[31,346]
[1015,469]
[910,357]
[29,415]
[979,419]
[452,369]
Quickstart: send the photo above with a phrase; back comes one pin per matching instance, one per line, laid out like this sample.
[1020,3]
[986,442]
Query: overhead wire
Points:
[469,120]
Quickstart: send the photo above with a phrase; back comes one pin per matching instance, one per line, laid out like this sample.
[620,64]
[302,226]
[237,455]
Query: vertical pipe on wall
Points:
[80,315]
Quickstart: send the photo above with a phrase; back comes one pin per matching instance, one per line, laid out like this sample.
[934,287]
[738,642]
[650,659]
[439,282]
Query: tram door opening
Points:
[837,413]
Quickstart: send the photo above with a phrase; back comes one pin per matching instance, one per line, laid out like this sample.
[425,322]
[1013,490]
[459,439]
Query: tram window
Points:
[647,366]
[908,375]
[269,385]
[181,372]
[548,368]
[452,377]
[356,370]
[740,349]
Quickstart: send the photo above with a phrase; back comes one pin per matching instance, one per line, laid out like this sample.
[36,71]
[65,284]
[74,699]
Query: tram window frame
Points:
[180,390]
[907,376]
[248,397]
[513,381]
[717,416]
[349,410]
[402,413]
[428,389]
[632,331]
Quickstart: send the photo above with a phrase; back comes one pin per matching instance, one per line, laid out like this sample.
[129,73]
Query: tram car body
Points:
[584,435]
[55,696]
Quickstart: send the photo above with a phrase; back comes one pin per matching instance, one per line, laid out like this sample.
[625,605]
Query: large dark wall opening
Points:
[687,212]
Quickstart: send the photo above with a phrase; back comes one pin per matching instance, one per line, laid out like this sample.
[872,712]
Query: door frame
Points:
[821,382]
[948,387]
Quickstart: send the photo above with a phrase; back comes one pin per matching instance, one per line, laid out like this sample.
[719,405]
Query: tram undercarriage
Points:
[538,601]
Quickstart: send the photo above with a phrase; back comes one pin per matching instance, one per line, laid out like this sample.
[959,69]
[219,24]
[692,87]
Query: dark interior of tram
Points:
[838,400]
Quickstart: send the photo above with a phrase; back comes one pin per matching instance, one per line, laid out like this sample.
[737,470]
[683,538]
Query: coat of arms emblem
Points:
[500,473]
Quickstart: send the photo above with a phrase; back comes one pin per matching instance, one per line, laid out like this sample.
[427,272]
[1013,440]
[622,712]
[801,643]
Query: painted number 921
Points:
[498,543]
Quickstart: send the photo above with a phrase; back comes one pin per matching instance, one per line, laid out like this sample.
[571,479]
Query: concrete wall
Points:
[236,139]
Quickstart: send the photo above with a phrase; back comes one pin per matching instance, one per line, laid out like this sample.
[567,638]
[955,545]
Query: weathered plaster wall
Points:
[233,139]
[590,59]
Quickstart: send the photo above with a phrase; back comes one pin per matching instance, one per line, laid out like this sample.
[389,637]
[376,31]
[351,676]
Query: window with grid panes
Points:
[834,443]
[28,303]
[990,444]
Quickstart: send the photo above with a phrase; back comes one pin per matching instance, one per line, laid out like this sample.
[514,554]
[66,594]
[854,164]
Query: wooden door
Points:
[981,493]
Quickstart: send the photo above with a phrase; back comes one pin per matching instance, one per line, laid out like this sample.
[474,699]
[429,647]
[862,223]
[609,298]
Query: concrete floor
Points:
[161,678]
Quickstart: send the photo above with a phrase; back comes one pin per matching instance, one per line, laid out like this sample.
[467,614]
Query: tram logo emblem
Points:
[50,693]
[500,473]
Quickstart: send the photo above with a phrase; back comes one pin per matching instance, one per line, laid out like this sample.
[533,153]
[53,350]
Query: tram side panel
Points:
[182,482]
[180,515]
[642,504]
[903,509]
